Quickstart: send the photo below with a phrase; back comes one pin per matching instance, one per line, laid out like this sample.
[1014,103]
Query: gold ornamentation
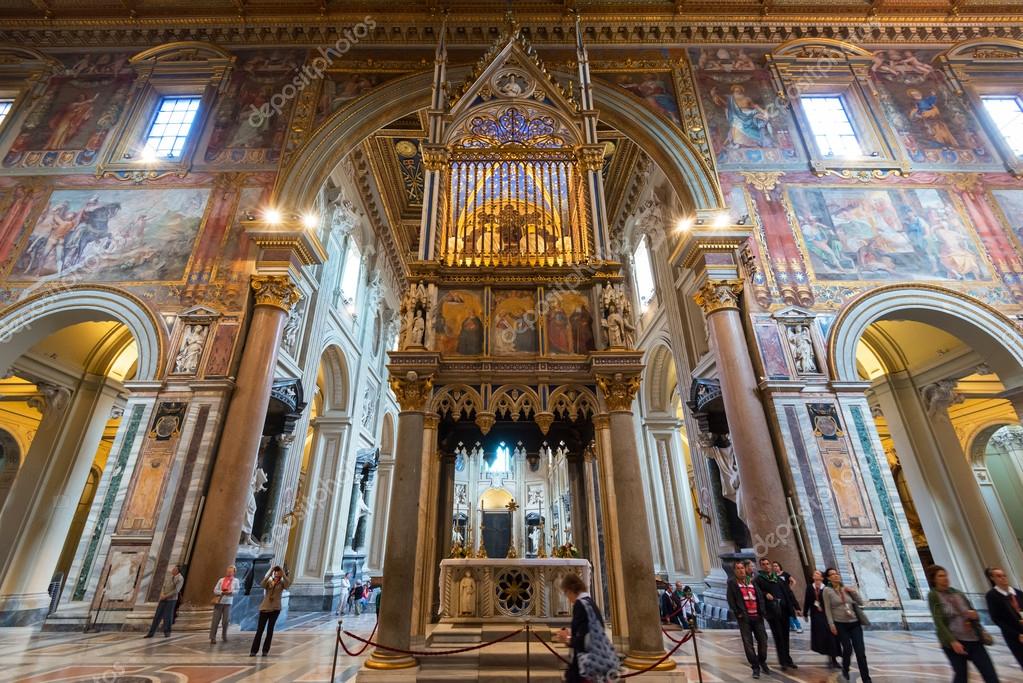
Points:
[965,182]
[592,157]
[412,391]
[544,420]
[601,422]
[485,420]
[619,390]
[275,290]
[765,181]
[718,295]
[435,157]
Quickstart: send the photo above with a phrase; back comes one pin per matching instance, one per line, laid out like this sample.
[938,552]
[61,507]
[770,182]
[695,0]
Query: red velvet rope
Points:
[550,649]
[415,653]
[685,639]
[365,645]
[657,663]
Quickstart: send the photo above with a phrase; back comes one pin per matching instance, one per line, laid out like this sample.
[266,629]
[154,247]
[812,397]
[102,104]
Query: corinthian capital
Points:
[717,295]
[619,390]
[275,290]
[51,398]
[412,391]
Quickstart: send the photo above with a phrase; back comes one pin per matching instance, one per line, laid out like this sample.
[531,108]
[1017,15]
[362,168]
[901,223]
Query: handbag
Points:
[600,661]
[215,600]
[982,633]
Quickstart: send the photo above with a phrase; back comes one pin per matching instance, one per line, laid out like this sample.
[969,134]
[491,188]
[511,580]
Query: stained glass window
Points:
[1007,113]
[831,125]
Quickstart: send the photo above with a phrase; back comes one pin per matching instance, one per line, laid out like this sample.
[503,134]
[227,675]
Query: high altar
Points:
[516,375]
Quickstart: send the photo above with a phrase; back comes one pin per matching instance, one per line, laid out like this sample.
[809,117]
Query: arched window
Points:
[350,276]
[499,460]
[644,274]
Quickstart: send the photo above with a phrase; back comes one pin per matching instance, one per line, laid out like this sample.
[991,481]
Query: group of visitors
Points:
[355,599]
[679,606]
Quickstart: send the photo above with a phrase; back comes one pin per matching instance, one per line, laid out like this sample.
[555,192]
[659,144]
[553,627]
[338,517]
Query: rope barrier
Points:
[658,662]
[362,649]
[685,639]
[551,649]
[443,653]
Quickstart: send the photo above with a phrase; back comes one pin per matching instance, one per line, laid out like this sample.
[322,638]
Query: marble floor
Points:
[303,653]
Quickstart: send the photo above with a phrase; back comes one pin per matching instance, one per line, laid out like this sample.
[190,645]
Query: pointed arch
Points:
[457,400]
[515,401]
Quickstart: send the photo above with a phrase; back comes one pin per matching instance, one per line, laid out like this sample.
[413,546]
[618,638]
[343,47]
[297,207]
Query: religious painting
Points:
[513,323]
[934,124]
[69,123]
[1011,204]
[655,88]
[747,124]
[114,235]
[251,121]
[857,234]
[569,322]
[341,88]
[458,323]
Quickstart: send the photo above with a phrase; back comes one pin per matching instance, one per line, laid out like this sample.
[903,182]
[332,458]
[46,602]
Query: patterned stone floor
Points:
[303,652]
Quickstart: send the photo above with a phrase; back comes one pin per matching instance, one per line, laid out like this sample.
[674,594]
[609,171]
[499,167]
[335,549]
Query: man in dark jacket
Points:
[781,605]
[747,605]
[1005,605]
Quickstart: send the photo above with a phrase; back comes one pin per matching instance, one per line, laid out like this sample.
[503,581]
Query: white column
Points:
[678,508]
[42,503]
[376,554]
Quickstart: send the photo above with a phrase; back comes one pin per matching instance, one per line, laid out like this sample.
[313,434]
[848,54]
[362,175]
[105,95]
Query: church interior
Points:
[434,304]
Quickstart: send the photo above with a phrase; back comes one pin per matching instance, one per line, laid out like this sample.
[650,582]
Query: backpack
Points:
[600,661]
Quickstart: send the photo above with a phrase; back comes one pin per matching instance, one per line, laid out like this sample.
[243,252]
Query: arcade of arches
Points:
[454,303]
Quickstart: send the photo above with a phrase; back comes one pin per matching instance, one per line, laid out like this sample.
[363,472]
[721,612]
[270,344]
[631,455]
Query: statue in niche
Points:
[720,450]
[801,345]
[467,595]
[616,317]
[534,540]
[258,484]
[192,341]
[415,315]
[289,338]
[418,329]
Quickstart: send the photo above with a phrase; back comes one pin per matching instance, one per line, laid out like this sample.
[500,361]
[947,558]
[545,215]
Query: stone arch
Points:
[514,400]
[658,375]
[572,401]
[35,317]
[336,379]
[691,177]
[977,442]
[458,400]
[986,330]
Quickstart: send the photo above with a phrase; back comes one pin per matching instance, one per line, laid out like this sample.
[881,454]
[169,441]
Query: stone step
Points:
[509,655]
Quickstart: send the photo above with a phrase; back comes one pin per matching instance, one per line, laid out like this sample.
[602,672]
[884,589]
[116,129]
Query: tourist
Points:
[172,583]
[690,606]
[224,593]
[346,590]
[780,604]
[794,623]
[666,605]
[582,606]
[843,607]
[822,641]
[1005,606]
[748,607]
[274,584]
[357,598]
[958,627]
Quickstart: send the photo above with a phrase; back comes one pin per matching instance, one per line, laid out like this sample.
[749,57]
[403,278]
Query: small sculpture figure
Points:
[534,539]
[616,319]
[418,329]
[187,360]
[467,595]
[802,349]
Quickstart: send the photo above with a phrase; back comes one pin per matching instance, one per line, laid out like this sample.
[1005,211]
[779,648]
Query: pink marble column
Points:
[216,544]
[763,494]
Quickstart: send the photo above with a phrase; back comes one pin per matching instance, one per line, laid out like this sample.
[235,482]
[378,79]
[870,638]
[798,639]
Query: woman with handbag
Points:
[843,608]
[223,596]
[593,657]
[958,625]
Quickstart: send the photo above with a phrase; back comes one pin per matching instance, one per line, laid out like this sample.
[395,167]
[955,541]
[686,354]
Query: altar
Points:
[475,590]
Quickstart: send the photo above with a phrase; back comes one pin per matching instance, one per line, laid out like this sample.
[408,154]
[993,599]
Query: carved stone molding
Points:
[619,390]
[940,396]
[275,290]
[50,399]
[718,295]
[412,391]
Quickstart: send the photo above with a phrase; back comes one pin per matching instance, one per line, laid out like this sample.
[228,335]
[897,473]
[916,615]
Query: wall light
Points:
[272,216]
[683,224]
[310,220]
[722,219]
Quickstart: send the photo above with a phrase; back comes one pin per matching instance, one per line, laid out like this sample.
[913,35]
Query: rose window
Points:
[514,590]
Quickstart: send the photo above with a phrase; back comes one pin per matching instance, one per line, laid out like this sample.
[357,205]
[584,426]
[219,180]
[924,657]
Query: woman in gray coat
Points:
[843,607]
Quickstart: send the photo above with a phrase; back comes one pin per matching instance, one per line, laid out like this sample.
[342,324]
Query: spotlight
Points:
[683,224]
[272,216]
[148,155]
[721,220]
[310,220]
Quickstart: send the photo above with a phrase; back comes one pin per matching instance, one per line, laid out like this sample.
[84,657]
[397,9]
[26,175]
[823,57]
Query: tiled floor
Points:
[304,652]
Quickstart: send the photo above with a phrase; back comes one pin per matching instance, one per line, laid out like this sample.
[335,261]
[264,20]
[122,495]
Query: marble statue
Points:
[259,480]
[802,349]
[534,540]
[289,338]
[418,329]
[616,317]
[187,360]
[467,595]
[456,536]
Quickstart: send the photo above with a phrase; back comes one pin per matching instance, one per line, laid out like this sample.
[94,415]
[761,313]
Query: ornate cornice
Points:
[412,391]
[275,290]
[619,390]
[718,295]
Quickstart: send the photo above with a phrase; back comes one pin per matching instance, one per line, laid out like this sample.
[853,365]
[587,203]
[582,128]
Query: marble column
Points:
[646,644]
[397,600]
[594,503]
[216,544]
[764,509]
[43,500]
